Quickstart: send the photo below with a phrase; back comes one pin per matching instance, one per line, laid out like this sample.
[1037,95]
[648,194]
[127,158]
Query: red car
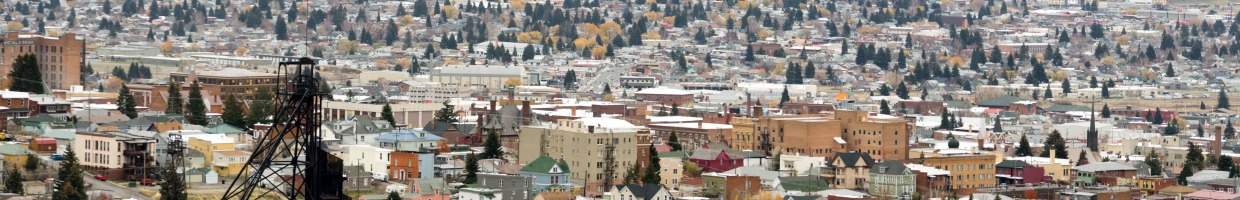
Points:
[101,178]
[148,182]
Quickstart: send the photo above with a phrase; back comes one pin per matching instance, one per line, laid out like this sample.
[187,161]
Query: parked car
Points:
[101,177]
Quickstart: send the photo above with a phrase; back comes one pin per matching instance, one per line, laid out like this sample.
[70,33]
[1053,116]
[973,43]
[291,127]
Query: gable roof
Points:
[544,164]
[643,191]
[223,129]
[890,167]
[712,151]
[850,159]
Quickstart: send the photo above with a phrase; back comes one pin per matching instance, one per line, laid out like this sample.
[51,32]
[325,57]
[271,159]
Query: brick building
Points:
[883,137]
[60,58]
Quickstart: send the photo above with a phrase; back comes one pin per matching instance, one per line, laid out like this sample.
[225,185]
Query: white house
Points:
[371,158]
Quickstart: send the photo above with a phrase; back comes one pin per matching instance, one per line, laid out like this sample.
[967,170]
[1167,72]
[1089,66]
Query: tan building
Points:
[483,76]
[582,144]
[969,169]
[849,170]
[115,154]
[883,137]
[742,136]
[60,58]
[232,81]
[692,135]
[154,96]
[409,115]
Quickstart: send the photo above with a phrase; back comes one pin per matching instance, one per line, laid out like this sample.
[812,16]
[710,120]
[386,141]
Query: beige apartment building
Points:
[582,144]
[60,58]
[883,137]
[970,169]
[115,154]
[742,136]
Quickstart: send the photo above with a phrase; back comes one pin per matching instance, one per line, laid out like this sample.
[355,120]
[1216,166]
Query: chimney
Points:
[1216,147]
[981,143]
[574,109]
[1052,156]
[757,111]
[525,112]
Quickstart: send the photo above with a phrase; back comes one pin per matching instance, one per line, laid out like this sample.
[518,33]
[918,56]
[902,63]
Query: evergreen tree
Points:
[173,186]
[1066,86]
[1223,102]
[1182,178]
[261,107]
[1023,149]
[902,91]
[1154,163]
[281,29]
[13,182]
[447,114]
[674,142]
[1225,163]
[394,196]
[1106,111]
[1194,159]
[234,113]
[491,147]
[784,97]
[1054,142]
[653,168]
[386,113]
[998,127]
[126,103]
[570,80]
[1106,91]
[471,169]
[952,142]
[174,101]
[26,76]
[69,183]
[32,162]
[196,107]
[883,108]
[1169,71]
[1229,132]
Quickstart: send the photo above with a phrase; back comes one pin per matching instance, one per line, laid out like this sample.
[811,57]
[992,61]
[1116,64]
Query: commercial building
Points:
[154,95]
[485,76]
[883,137]
[969,169]
[408,115]
[692,135]
[582,144]
[233,81]
[60,58]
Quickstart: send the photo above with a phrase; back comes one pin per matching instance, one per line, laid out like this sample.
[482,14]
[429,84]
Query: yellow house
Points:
[228,163]
[14,155]
[209,144]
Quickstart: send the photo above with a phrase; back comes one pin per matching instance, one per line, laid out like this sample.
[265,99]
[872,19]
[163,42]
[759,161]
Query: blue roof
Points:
[408,135]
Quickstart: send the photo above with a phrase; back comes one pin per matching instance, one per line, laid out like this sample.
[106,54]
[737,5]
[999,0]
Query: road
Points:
[95,185]
[610,73]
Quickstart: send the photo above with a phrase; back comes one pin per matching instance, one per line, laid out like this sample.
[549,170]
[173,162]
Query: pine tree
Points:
[281,29]
[1106,91]
[998,127]
[952,142]
[784,97]
[1054,142]
[1169,71]
[1154,163]
[196,107]
[883,108]
[1194,159]
[174,100]
[570,79]
[1106,111]
[69,183]
[902,91]
[393,195]
[447,114]
[173,186]
[1024,149]
[674,142]
[471,169]
[234,113]
[1224,163]
[13,182]
[386,113]
[26,76]
[1066,86]
[491,146]
[1223,102]
[126,103]
[652,168]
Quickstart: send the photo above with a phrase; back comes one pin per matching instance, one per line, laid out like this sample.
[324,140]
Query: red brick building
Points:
[60,58]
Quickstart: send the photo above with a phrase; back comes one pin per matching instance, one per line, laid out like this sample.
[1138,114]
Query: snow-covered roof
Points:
[663,91]
[930,171]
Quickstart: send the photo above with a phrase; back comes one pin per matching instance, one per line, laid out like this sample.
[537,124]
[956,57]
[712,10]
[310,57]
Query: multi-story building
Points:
[969,169]
[742,137]
[431,92]
[692,135]
[60,59]
[233,81]
[848,170]
[582,144]
[883,137]
[209,144]
[116,154]
[484,76]
[665,96]
[154,95]
[371,159]
[409,115]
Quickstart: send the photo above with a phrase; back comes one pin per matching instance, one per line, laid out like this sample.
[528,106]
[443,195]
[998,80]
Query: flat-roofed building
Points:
[233,81]
[115,154]
[409,115]
[486,76]
[582,143]
[60,58]
[883,137]
[969,169]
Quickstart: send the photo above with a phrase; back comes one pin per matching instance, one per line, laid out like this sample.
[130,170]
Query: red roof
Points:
[45,141]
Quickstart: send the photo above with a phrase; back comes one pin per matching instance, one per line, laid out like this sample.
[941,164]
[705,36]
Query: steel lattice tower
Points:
[289,158]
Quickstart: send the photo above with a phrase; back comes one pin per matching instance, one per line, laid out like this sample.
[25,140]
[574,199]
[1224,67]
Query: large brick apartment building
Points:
[60,58]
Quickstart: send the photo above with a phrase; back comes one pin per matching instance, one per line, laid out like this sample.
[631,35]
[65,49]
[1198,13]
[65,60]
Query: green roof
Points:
[803,183]
[224,129]
[1002,101]
[672,154]
[543,165]
[14,149]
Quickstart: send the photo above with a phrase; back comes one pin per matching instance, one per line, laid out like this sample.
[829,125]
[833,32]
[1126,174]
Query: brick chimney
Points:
[1216,146]
[525,112]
